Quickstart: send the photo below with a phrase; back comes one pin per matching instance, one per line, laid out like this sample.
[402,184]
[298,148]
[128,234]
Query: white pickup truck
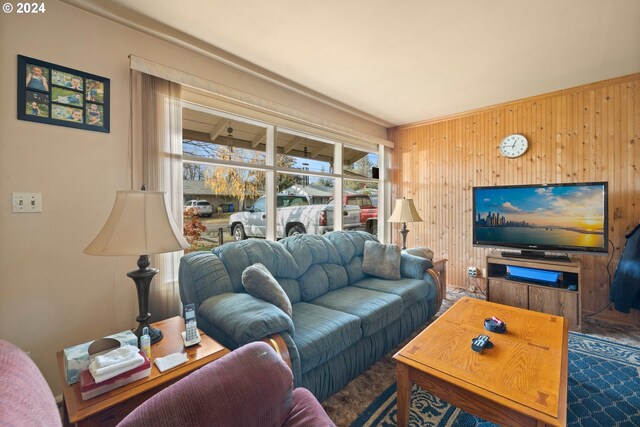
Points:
[294,215]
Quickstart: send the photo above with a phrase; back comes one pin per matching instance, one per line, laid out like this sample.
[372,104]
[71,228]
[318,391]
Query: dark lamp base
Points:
[142,278]
[154,334]
[404,232]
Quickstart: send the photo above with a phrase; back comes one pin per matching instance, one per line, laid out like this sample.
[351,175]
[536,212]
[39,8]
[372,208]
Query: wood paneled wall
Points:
[587,133]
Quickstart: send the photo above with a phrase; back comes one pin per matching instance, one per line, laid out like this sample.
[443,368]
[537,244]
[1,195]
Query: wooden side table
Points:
[440,267]
[110,408]
[439,274]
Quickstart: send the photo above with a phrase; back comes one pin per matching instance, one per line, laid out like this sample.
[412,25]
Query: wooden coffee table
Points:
[521,381]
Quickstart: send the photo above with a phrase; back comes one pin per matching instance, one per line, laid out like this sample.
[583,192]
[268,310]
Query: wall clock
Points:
[514,145]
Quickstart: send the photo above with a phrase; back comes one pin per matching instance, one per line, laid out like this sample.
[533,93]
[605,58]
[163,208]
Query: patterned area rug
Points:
[603,390]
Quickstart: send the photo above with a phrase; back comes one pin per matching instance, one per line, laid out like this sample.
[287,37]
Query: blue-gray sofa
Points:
[343,320]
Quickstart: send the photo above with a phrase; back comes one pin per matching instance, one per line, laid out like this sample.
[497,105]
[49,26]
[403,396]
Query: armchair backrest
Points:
[25,396]
[251,386]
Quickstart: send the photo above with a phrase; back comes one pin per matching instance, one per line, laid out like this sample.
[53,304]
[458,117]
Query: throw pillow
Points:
[381,260]
[258,281]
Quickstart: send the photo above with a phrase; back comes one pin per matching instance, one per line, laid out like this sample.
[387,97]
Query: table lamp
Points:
[140,223]
[404,212]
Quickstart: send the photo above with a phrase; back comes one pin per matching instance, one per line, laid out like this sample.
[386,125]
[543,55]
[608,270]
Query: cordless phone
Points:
[190,336]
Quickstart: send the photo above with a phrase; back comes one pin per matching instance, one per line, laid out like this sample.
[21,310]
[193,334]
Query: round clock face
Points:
[513,146]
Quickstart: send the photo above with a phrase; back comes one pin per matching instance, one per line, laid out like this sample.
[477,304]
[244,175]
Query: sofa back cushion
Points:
[337,276]
[354,269]
[205,274]
[322,278]
[239,255]
[349,244]
[313,283]
[291,287]
[310,249]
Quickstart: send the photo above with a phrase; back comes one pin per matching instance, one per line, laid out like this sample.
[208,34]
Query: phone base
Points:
[190,343]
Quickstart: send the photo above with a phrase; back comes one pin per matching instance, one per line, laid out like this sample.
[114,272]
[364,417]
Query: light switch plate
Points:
[26,202]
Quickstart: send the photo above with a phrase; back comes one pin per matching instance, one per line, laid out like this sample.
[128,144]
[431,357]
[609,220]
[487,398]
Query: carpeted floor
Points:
[345,406]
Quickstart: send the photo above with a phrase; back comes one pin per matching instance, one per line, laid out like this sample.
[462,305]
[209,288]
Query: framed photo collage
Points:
[57,95]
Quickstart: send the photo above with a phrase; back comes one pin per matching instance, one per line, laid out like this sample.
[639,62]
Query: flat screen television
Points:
[554,218]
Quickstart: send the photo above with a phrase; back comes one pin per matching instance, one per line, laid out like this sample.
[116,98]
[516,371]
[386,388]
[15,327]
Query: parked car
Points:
[368,211]
[203,207]
[294,215]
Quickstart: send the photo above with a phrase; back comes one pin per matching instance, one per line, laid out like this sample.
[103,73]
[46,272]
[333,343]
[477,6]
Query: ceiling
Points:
[410,60]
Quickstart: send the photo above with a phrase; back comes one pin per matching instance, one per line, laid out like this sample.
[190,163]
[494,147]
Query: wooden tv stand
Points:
[538,297]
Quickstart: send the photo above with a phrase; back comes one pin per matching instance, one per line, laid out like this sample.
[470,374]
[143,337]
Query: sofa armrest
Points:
[439,287]
[244,318]
[202,275]
[277,343]
[287,349]
[413,267]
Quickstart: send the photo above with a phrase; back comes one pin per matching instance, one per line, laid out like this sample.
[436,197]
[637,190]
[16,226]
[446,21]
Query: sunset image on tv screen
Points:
[551,216]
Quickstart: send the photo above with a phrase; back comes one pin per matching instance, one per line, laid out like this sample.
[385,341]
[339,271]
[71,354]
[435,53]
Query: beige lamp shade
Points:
[140,223]
[405,211]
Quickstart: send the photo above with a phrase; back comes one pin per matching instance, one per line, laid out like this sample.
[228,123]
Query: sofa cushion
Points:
[381,260]
[411,290]
[322,333]
[259,282]
[374,309]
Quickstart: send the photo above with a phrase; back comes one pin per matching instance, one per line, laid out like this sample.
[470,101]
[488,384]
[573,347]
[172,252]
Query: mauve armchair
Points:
[251,386]
[25,397]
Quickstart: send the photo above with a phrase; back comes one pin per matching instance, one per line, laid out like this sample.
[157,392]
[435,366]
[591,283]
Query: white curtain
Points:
[157,130]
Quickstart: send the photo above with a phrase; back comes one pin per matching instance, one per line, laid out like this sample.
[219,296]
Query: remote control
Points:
[480,343]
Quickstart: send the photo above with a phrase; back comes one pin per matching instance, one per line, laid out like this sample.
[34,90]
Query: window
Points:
[259,206]
[242,166]
[284,201]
